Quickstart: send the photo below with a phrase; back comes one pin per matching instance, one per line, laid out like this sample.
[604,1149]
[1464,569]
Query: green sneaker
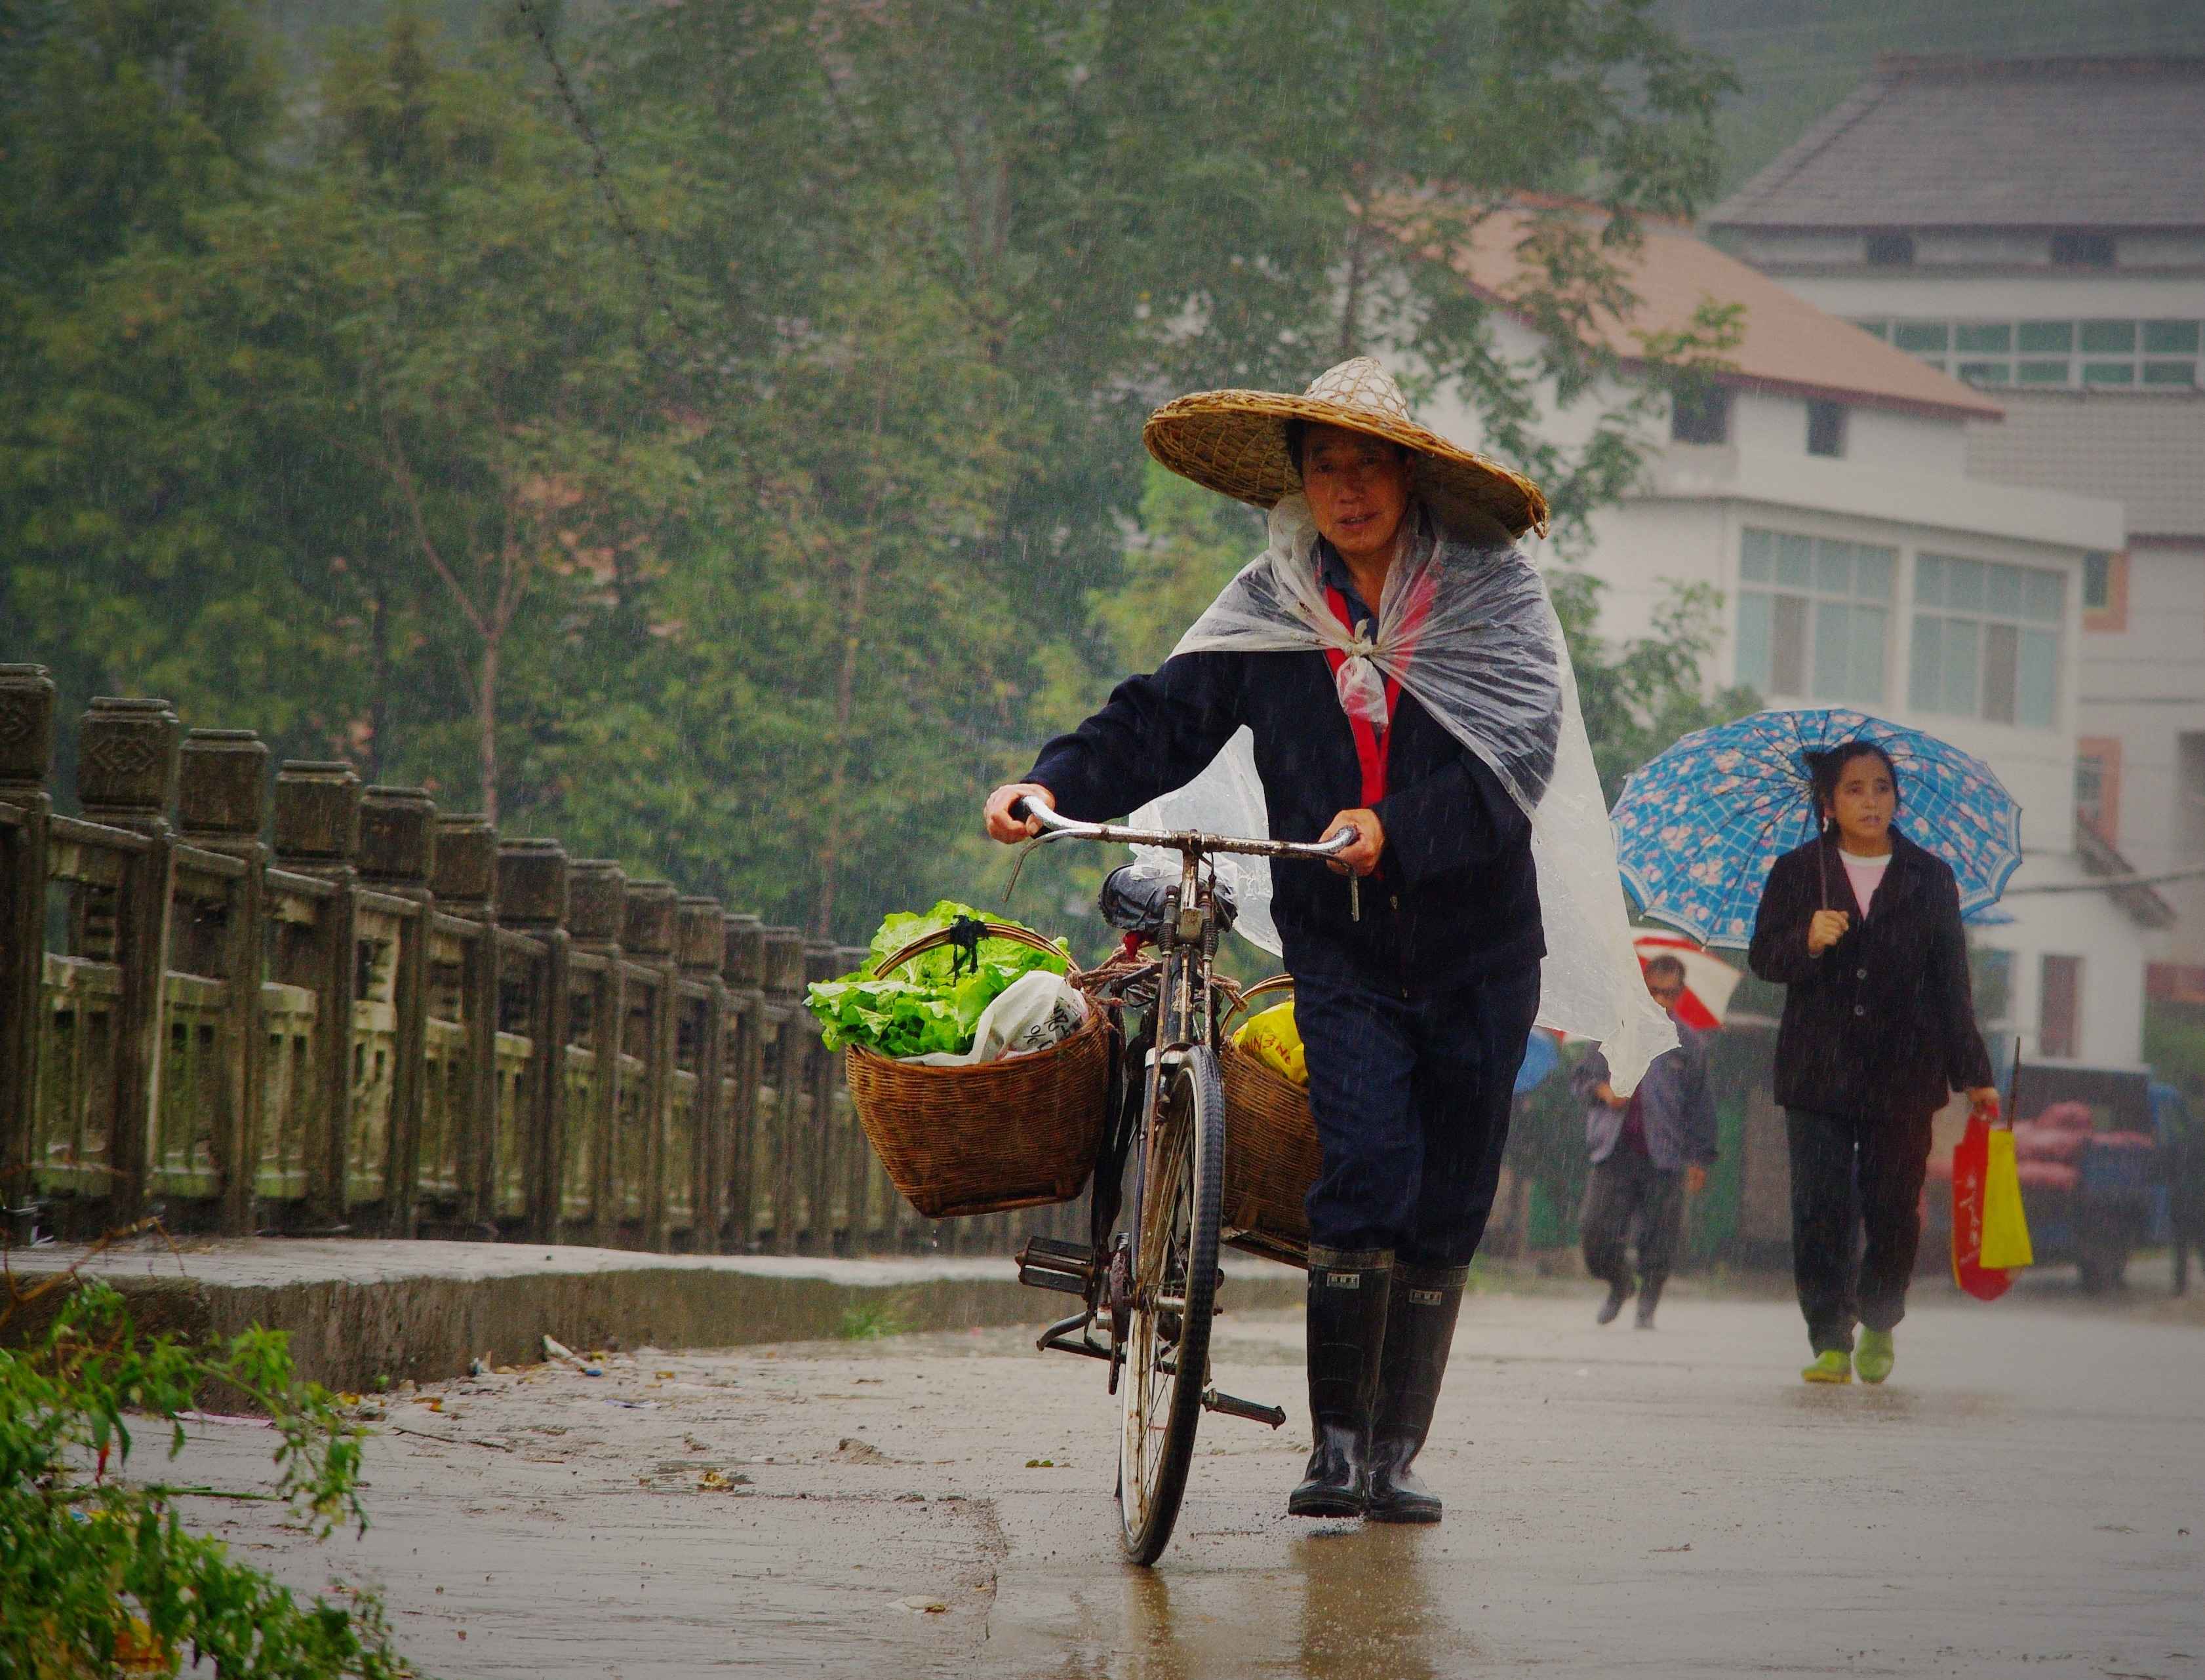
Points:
[1874,1356]
[1835,1365]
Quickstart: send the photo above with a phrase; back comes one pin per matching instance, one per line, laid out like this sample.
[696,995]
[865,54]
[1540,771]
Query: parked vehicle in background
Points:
[2094,1152]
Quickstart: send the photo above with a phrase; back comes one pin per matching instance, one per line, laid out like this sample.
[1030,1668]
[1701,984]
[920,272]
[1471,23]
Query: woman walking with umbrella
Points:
[1862,928]
[1863,925]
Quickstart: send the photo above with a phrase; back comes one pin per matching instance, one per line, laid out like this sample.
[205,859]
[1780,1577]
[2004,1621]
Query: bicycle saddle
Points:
[1133,900]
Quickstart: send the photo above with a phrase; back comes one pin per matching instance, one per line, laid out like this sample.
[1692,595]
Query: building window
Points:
[2088,250]
[1701,416]
[2098,785]
[2189,796]
[2097,582]
[2105,592]
[2093,354]
[1891,250]
[1826,428]
[1986,640]
[2060,1007]
[1814,616]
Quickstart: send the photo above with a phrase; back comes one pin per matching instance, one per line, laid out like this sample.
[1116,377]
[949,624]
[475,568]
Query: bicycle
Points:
[1151,1285]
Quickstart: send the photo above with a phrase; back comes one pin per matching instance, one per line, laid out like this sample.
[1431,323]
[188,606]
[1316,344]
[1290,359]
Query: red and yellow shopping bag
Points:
[1990,1232]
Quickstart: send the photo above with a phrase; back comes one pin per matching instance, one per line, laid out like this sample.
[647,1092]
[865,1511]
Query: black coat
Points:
[1883,1022]
[1456,895]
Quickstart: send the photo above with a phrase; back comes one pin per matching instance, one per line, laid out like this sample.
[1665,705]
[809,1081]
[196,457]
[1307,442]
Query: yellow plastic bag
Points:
[2005,1226]
[1274,1040]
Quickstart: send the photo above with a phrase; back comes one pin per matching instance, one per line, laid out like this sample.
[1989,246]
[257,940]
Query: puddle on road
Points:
[1343,1603]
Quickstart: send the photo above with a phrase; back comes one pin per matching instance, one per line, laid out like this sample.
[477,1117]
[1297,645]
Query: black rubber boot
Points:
[1617,1295]
[1347,1328]
[1649,1297]
[1419,1331]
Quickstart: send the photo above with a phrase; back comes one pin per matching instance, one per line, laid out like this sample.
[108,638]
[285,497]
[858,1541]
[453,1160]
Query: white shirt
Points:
[1866,875]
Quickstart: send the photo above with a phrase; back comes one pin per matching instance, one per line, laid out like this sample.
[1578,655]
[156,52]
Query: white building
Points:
[2037,229]
[2140,782]
[1823,489]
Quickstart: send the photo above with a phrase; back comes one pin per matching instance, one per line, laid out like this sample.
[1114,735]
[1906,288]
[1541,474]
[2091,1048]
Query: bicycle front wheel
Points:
[1175,1294]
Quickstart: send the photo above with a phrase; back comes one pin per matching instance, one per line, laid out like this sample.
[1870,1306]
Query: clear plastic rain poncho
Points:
[1466,626]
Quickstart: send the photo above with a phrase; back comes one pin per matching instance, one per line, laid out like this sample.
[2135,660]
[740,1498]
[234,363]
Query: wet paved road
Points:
[2027,1497]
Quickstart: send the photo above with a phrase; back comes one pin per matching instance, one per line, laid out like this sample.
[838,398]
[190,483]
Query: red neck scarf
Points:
[1373,745]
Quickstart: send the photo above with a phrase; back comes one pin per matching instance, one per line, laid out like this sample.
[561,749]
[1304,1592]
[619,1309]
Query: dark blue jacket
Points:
[1883,1023]
[1456,895]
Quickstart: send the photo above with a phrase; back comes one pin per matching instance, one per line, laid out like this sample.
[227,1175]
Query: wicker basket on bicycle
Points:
[1021,1132]
[1270,1150]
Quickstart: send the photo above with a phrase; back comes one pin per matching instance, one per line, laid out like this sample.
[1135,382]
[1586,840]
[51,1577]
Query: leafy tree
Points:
[1643,695]
[381,426]
[119,118]
[828,678]
[714,438]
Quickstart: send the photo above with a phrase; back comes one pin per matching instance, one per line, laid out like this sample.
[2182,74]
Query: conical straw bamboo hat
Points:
[1235,441]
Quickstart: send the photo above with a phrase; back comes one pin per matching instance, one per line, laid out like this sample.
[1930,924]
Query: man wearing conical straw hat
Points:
[1389,664]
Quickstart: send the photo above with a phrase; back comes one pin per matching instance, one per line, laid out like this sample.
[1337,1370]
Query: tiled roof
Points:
[1789,343]
[2146,451]
[2023,143]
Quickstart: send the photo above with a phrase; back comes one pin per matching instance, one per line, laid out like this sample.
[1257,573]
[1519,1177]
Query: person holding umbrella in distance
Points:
[1861,927]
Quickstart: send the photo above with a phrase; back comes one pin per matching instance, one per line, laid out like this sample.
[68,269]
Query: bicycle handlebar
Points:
[1186,839]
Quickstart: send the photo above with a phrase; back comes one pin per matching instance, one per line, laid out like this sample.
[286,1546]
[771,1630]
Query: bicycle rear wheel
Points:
[1174,1293]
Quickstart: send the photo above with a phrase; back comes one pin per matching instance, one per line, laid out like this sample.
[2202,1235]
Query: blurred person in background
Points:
[1862,928]
[1650,1150]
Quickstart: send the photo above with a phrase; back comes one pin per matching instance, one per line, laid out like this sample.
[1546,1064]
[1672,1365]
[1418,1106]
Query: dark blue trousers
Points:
[1411,1096]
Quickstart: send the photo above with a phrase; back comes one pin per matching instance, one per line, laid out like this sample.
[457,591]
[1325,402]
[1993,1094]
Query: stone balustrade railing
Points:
[342,1010]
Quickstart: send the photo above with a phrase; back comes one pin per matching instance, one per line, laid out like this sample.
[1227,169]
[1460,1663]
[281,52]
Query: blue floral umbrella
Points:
[1697,830]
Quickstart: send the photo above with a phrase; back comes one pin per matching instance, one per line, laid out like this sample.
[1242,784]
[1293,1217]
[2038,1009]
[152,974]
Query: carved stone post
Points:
[699,949]
[653,908]
[465,886]
[822,961]
[532,899]
[861,1172]
[27,762]
[596,914]
[317,834]
[222,802]
[398,856]
[784,988]
[742,971]
[125,778]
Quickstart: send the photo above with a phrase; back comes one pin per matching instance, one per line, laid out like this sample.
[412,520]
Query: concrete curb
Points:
[361,1312]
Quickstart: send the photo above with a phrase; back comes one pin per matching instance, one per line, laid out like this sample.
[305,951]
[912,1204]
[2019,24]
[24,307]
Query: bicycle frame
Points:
[1184,1015]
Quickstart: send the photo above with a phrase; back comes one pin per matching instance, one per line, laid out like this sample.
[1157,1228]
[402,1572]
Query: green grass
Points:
[869,1320]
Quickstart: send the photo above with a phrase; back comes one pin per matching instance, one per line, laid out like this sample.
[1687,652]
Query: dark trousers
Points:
[1625,1190]
[1854,1175]
[1411,1097]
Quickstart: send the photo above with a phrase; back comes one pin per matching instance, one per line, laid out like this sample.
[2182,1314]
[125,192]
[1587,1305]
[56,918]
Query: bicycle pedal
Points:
[1233,1406]
[1048,1263]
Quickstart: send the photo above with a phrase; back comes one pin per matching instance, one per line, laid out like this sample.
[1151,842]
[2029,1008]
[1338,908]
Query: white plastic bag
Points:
[1031,1013]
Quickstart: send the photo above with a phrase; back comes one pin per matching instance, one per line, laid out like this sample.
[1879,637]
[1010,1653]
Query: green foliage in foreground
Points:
[98,1575]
